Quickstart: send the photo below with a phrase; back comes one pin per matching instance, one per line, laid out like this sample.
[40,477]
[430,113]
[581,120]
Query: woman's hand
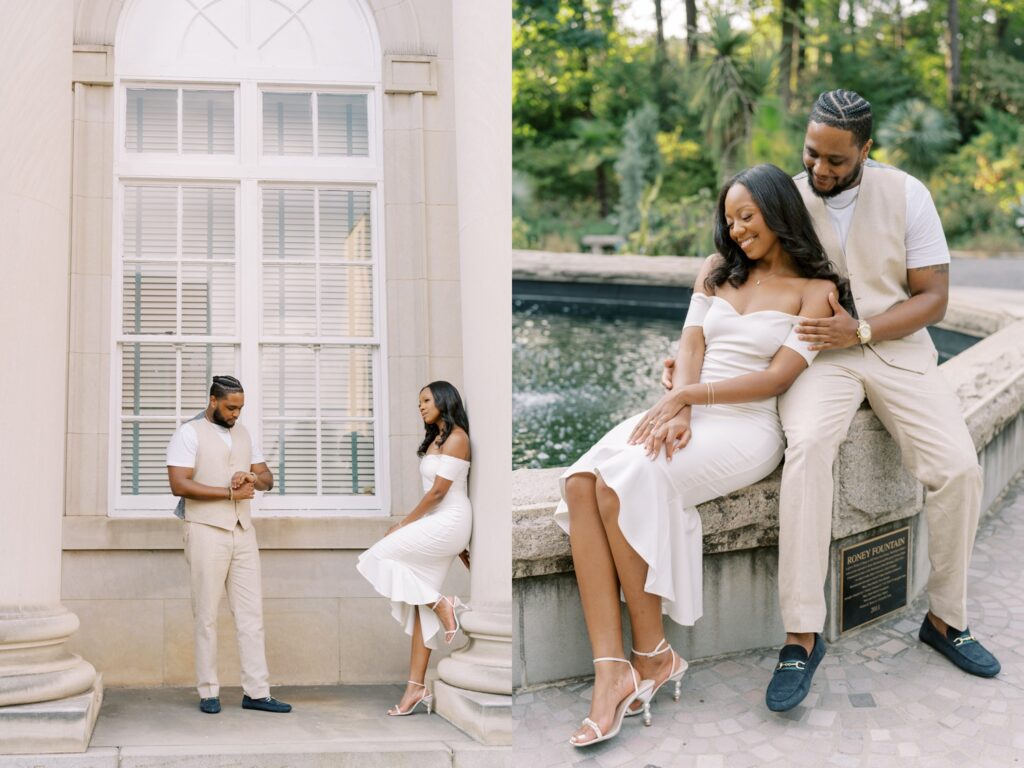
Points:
[670,405]
[668,368]
[464,557]
[394,528]
[673,436]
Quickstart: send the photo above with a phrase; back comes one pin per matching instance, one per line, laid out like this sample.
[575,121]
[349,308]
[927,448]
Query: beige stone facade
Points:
[124,576]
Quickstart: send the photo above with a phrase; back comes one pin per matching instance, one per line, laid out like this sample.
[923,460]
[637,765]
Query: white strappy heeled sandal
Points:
[456,604]
[426,699]
[675,676]
[642,690]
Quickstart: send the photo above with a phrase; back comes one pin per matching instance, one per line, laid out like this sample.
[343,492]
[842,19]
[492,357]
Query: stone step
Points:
[344,726]
[369,754]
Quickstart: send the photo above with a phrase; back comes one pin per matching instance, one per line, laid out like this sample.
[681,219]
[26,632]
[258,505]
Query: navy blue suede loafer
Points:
[267,704]
[791,680]
[962,648]
[210,706]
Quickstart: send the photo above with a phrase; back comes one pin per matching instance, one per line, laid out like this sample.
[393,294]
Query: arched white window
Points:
[247,240]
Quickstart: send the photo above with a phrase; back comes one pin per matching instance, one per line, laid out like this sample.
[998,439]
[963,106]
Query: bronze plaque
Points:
[873,580]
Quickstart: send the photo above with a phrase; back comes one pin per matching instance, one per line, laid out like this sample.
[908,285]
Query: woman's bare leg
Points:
[599,594]
[419,657]
[644,608]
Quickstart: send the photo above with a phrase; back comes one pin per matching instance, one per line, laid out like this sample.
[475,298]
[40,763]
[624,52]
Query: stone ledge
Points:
[592,268]
[872,488]
[113,533]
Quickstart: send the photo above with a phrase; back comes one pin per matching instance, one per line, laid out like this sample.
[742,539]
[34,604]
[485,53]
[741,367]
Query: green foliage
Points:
[732,80]
[916,135]
[686,166]
[998,83]
[777,136]
[976,189]
[579,75]
[676,227]
[638,165]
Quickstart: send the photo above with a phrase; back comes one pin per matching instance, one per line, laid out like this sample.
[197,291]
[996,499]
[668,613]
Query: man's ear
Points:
[866,149]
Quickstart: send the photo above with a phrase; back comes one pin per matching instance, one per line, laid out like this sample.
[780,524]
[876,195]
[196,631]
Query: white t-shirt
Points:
[181,451]
[925,241]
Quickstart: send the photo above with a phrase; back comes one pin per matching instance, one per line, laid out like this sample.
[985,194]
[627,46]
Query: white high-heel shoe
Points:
[642,690]
[426,699]
[675,676]
[456,604]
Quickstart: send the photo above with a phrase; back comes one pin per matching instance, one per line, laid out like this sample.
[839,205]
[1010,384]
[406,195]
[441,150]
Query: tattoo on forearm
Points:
[938,268]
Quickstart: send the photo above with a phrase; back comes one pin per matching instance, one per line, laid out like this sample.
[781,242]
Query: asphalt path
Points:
[995,272]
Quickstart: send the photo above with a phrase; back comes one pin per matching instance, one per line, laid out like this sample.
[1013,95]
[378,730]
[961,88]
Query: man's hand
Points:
[673,436]
[240,478]
[243,492]
[668,368]
[836,332]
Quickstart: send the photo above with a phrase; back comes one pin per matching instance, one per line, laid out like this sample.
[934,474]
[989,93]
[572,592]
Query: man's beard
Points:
[846,182]
[219,420]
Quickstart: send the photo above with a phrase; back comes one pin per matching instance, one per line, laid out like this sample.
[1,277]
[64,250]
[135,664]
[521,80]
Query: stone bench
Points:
[874,494]
[597,243]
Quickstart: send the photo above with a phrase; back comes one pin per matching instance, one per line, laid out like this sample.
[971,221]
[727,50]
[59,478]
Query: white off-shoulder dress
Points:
[731,447]
[409,565]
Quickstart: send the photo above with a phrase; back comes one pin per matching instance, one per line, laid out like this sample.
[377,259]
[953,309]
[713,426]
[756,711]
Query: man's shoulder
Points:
[189,426]
[887,170]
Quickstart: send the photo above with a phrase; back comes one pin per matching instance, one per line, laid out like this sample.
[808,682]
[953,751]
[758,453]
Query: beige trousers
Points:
[219,558]
[923,414]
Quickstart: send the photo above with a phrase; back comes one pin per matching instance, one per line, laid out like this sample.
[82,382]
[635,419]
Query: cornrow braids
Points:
[222,386]
[846,110]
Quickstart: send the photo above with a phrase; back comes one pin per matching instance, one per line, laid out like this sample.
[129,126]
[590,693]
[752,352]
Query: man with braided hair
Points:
[215,470]
[880,227]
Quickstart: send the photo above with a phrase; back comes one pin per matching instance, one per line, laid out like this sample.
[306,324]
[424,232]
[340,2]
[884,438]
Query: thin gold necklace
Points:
[769,276]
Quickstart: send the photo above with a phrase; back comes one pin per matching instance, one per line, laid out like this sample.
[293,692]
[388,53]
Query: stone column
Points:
[49,698]
[475,689]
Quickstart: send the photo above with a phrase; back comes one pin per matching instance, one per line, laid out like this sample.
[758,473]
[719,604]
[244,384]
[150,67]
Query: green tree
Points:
[732,81]
[638,165]
[916,135]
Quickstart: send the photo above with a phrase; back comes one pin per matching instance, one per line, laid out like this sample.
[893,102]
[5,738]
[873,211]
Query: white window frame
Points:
[247,169]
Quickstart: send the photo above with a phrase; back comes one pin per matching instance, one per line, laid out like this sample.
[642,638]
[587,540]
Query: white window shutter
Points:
[150,222]
[346,381]
[345,231]
[199,364]
[151,120]
[144,457]
[342,126]
[287,123]
[208,122]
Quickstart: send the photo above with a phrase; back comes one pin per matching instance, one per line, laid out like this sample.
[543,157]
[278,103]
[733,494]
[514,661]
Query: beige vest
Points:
[215,464]
[875,259]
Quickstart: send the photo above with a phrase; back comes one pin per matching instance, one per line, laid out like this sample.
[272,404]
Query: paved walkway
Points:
[1005,272]
[343,726]
[880,698]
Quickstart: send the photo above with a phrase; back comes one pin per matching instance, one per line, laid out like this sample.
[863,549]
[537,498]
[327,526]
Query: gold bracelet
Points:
[231,493]
[710,394]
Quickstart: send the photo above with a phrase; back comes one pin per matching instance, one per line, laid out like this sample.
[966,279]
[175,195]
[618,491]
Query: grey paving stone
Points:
[879,700]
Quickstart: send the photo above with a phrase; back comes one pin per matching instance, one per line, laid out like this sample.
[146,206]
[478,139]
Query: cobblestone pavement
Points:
[880,698]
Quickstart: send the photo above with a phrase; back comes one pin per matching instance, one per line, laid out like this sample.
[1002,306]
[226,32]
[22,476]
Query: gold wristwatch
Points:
[864,332]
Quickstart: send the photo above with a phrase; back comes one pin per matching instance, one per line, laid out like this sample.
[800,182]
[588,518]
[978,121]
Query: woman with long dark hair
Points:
[629,503]
[409,565]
